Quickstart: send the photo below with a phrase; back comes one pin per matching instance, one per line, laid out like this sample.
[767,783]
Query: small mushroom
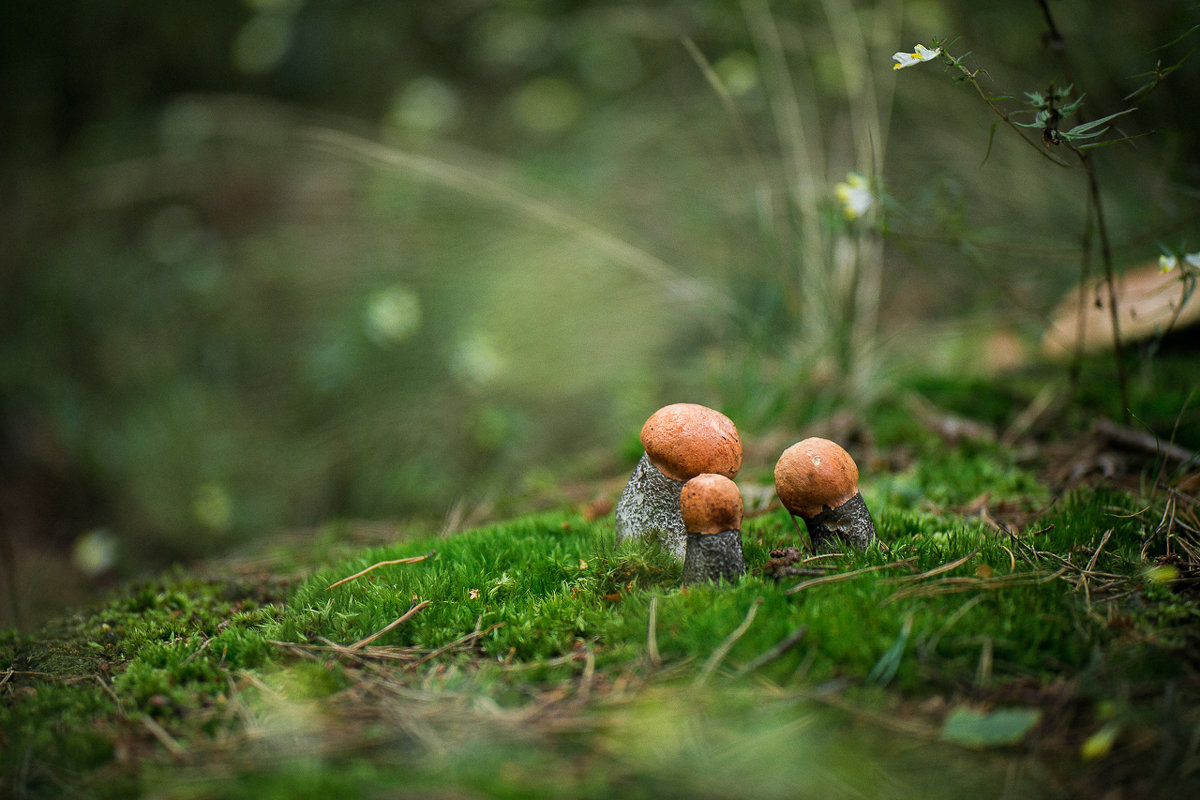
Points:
[1150,303]
[681,441]
[712,514]
[817,480]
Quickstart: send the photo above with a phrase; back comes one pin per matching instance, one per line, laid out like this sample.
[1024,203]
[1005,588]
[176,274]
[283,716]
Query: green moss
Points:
[533,610]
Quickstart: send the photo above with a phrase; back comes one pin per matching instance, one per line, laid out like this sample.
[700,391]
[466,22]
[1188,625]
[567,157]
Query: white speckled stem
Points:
[850,523]
[714,557]
[649,503]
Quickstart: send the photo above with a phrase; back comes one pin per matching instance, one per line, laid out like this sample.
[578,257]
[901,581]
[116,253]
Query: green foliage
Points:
[989,729]
[550,598]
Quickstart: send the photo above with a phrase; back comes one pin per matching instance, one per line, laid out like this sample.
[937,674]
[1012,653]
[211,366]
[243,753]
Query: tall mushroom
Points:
[681,441]
[712,515]
[817,480]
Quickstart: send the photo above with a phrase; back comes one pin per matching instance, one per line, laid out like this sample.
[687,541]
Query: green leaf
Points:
[991,139]
[1094,145]
[1085,128]
[1071,108]
[885,668]
[997,728]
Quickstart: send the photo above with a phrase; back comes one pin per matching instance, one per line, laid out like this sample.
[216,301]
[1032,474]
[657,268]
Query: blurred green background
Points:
[275,262]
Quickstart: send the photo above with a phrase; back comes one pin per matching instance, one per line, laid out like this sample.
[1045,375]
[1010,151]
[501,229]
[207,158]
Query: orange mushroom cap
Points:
[684,440]
[711,504]
[813,475]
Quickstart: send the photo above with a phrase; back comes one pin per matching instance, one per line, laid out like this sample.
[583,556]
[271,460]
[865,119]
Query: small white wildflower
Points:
[854,195]
[1169,262]
[922,53]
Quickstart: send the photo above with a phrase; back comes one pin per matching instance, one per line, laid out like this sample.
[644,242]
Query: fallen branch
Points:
[1139,440]
[409,560]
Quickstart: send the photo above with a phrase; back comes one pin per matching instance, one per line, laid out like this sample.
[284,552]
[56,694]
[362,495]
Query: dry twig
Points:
[935,571]
[955,585]
[409,560]
[652,634]
[390,626]
[842,576]
[724,647]
[787,643]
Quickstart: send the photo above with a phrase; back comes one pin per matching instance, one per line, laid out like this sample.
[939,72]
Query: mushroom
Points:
[711,506]
[817,480]
[1150,302]
[681,441]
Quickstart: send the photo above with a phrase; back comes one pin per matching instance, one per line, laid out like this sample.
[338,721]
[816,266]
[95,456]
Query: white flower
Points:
[1170,262]
[923,53]
[854,195]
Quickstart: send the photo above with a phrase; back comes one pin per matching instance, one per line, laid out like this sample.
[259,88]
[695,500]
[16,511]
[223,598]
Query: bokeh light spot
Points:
[738,71]
[392,315]
[95,552]
[261,43]
[611,64]
[426,104]
[476,361]
[546,105]
[212,506]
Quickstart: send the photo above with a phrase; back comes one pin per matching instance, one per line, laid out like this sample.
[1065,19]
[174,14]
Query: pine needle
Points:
[409,560]
[724,647]
[842,576]
[361,643]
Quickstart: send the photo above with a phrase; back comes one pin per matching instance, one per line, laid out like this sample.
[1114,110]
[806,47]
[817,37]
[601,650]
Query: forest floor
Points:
[1027,626]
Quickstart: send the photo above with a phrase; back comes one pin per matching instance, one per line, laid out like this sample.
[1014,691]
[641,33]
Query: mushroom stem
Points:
[650,502]
[714,557]
[851,522]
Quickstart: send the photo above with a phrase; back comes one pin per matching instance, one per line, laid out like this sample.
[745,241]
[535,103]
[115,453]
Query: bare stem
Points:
[1110,279]
[1058,44]
[972,77]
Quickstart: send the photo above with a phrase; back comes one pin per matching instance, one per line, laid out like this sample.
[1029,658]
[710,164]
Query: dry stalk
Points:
[459,642]
[724,647]
[935,571]
[165,739]
[652,634]
[782,647]
[956,585]
[842,576]
[409,560]
[390,626]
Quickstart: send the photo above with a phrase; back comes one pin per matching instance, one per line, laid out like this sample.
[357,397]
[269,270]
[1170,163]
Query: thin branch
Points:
[842,576]
[782,647]
[361,643]
[410,560]
[652,634]
[724,647]
[167,740]
[459,642]
[936,570]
